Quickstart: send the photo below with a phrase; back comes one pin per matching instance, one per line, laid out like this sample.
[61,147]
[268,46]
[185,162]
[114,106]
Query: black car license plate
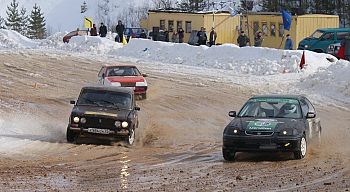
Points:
[99,131]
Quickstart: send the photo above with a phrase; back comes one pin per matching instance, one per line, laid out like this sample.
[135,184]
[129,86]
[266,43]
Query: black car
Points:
[272,123]
[104,112]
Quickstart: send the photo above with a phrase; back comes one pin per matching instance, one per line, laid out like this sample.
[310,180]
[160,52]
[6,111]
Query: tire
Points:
[71,136]
[130,140]
[228,155]
[302,148]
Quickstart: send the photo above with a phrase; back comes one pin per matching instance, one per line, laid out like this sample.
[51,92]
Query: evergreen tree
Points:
[24,22]
[36,26]
[192,5]
[13,17]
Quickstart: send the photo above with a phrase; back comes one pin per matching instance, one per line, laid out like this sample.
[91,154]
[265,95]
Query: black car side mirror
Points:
[137,108]
[310,115]
[72,102]
[144,75]
[232,114]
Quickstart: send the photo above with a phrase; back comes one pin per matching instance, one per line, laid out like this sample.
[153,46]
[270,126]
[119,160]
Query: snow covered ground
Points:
[324,78]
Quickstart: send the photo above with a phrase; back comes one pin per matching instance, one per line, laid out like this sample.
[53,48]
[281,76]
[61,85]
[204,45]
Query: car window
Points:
[123,71]
[342,35]
[271,107]
[317,34]
[328,36]
[104,98]
[304,107]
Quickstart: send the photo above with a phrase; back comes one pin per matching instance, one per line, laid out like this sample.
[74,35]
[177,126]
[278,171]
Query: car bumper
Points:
[261,143]
[111,133]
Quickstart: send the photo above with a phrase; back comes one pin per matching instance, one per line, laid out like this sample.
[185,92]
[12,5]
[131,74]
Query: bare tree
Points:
[164,4]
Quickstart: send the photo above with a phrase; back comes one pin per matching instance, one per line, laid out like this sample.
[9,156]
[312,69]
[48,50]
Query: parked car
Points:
[322,38]
[124,76]
[104,112]
[71,34]
[272,123]
[160,37]
[133,32]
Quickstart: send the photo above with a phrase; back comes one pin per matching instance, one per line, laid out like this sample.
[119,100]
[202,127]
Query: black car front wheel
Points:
[229,155]
[300,153]
[71,136]
[131,137]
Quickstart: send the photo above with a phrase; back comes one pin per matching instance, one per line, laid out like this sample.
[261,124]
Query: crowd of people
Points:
[178,36]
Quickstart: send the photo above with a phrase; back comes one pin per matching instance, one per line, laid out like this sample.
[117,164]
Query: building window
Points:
[281,30]
[188,26]
[171,26]
[256,26]
[179,25]
[273,29]
[162,25]
[264,28]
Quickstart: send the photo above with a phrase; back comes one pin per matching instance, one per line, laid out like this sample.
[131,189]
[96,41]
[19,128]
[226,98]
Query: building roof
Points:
[187,12]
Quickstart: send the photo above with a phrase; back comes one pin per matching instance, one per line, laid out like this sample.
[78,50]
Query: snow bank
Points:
[92,44]
[332,82]
[247,60]
[12,39]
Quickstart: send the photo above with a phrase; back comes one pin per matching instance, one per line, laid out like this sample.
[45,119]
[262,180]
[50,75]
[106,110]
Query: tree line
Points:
[32,26]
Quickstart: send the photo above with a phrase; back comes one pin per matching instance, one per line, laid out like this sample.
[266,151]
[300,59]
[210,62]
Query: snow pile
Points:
[12,39]
[332,82]
[90,44]
[247,60]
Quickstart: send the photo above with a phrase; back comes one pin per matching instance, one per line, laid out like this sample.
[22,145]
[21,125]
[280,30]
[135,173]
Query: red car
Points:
[124,76]
[67,37]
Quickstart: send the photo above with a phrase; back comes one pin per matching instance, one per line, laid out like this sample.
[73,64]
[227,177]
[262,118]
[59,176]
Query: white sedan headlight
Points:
[117,84]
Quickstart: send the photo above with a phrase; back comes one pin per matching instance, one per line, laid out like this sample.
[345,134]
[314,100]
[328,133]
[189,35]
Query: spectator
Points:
[242,40]
[289,43]
[181,34]
[175,38]
[258,39]
[212,37]
[120,31]
[103,30]
[202,37]
[143,34]
[166,34]
[93,30]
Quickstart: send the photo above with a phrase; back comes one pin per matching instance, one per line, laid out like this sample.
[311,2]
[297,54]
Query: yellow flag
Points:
[124,40]
[88,22]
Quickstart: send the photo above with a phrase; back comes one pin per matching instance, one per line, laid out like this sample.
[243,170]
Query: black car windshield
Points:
[271,108]
[105,99]
[123,71]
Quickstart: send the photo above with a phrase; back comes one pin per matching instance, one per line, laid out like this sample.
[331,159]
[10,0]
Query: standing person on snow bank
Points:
[103,30]
[258,39]
[181,34]
[202,37]
[93,30]
[289,43]
[243,40]
[344,50]
[120,30]
[212,37]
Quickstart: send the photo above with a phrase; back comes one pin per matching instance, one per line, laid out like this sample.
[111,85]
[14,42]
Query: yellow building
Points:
[225,25]
[271,25]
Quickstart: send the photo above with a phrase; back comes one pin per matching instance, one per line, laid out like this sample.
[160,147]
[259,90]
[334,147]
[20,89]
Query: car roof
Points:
[109,88]
[335,29]
[119,65]
[279,96]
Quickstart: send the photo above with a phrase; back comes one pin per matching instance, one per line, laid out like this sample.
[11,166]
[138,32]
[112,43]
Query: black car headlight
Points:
[288,132]
[233,130]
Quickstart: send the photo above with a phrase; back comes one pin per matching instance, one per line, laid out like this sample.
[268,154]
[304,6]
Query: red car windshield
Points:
[123,71]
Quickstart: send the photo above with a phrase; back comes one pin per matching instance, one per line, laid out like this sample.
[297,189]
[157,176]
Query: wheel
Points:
[71,136]
[228,155]
[302,148]
[131,138]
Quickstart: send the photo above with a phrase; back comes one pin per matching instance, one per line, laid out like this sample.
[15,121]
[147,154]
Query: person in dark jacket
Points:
[289,43]
[120,30]
[181,35]
[93,30]
[212,37]
[143,34]
[202,37]
[103,30]
[166,34]
[258,39]
[242,39]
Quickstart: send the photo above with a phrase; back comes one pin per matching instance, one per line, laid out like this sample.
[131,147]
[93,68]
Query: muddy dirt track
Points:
[178,142]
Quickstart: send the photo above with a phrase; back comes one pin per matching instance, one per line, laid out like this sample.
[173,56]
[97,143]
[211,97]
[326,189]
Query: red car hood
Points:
[126,79]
